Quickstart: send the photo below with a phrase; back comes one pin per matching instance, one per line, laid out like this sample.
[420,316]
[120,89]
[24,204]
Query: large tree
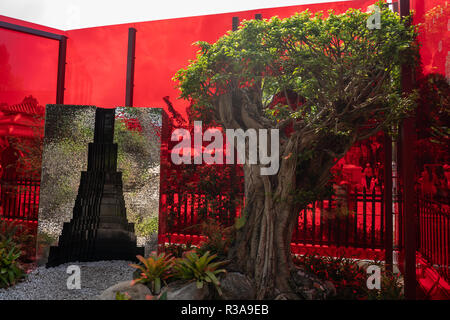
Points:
[325,81]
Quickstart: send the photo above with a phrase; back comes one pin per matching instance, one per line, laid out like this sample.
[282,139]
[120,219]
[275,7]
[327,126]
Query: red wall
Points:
[28,66]
[96,57]
[96,68]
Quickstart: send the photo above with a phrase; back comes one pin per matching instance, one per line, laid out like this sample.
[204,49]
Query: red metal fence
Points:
[357,223]
[434,234]
[19,197]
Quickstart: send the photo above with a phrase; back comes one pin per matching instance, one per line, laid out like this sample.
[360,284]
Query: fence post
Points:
[407,136]
[387,195]
[364,218]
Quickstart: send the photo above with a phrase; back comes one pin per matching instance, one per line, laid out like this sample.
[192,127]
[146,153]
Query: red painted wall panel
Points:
[28,66]
[96,66]
[96,69]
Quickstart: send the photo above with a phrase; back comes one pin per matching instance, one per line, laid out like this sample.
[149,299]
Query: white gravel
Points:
[51,283]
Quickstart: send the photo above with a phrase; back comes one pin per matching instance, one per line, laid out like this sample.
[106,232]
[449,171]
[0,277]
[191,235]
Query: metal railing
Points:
[434,234]
[19,197]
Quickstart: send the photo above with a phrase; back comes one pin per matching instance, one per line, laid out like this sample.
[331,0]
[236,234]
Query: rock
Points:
[186,291]
[136,292]
[331,288]
[236,286]
[310,287]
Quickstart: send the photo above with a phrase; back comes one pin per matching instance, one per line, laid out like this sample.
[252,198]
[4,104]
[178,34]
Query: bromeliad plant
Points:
[154,270]
[199,268]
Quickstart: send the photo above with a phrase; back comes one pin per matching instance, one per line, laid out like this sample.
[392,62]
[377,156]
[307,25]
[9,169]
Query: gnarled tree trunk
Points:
[262,246]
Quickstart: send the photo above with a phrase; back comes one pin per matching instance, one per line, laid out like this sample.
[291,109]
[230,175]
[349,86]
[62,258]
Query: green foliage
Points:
[350,278]
[347,276]
[45,239]
[154,270]
[177,250]
[122,296]
[130,143]
[342,69]
[146,226]
[10,271]
[199,268]
[14,235]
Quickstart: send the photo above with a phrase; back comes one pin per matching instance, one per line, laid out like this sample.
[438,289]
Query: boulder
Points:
[136,292]
[186,291]
[236,286]
[310,287]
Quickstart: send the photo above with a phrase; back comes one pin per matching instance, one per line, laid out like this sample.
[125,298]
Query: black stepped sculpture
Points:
[99,229]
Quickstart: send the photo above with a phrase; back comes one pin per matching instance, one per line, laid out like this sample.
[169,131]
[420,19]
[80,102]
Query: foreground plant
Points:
[154,270]
[10,271]
[199,268]
[391,288]
[347,275]
[325,82]
[177,250]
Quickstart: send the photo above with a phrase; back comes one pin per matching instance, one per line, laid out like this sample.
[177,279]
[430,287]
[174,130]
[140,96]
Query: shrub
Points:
[350,278]
[177,250]
[154,269]
[147,226]
[347,276]
[218,238]
[18,236]
[10,271]
[201,269]
[391,288]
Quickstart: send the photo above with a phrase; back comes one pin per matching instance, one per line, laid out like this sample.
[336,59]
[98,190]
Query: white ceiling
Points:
[76,14]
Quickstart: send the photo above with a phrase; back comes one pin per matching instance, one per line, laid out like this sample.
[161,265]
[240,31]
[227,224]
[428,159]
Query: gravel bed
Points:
[51,283]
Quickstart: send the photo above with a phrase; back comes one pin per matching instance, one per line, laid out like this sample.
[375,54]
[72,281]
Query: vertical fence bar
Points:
[313,226]
[373,217]
[382,215]
[386,205]
[355,226]
[330,241]
[321,222]
[364,219]
[347,220]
